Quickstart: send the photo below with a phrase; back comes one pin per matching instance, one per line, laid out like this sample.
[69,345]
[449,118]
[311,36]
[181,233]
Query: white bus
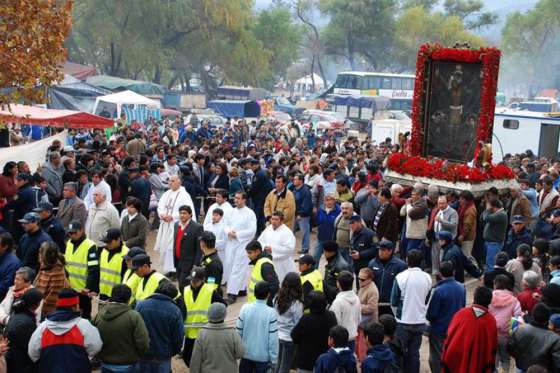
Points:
[398,87]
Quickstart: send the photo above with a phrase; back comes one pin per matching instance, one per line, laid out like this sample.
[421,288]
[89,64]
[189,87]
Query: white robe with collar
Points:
[226,208]
[283,244]
[236,273]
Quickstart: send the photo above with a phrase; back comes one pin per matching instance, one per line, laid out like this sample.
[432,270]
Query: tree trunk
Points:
[157,74]
[322,72]
[313,74]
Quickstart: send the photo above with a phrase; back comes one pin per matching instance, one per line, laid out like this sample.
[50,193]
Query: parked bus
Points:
[397,87]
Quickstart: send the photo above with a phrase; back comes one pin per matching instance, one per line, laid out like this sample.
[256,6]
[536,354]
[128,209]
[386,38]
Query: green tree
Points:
[471,12]
[360,29]
[279,35]
[416,26]
[427,4]
[530,46]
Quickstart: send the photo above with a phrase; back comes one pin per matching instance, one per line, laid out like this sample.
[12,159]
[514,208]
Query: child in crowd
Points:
[379,355]
[339,358]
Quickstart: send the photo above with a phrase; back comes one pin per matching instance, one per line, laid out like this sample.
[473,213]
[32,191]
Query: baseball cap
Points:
[306,259]
[444,235]
[139,260]
[556,213]
[518,219]
[111,234]
[74,226]
[216,313]
[555,320]
[386,244]
[355,218]
[30,217]
[198,273]
[44,206]
[132,252]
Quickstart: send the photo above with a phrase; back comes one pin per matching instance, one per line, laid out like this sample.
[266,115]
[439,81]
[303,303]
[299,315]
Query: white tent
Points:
[305,84]
[123,98]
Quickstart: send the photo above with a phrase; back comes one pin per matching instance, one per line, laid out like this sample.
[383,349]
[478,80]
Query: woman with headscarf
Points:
[22,282]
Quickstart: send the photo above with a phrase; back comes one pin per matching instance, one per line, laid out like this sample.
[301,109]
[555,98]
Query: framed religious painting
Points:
[454,101]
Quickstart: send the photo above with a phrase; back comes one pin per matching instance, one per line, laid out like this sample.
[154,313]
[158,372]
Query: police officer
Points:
[82,266]
[149,278]
[311,278]
[198,296]
[210,260]
[130,277]
[112,266]
[263,270]
[50,224]
[335,264]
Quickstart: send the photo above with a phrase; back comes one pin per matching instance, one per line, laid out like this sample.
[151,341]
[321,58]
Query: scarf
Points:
[19,293]
[462,211]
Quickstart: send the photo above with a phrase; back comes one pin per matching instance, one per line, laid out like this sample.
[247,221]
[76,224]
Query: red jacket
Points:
[471,343]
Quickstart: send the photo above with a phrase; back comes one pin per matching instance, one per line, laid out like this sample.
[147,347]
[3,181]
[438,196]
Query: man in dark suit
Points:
[71,207]
[140,188]
[186,246]
[260,187]
[386,219]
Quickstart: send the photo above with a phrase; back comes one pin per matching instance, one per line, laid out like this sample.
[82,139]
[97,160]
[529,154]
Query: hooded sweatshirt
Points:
[64,343]
[124,333]
[504,306]
[378,358]
[347,309]
[336,360]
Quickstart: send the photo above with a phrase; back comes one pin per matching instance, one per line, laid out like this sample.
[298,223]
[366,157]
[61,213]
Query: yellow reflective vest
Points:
[131,279]
[110,270]
[197,310]
[256,276]
[315,279]
[143,291]
[77,263]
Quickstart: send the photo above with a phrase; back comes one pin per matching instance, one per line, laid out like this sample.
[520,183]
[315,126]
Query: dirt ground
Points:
[233,310]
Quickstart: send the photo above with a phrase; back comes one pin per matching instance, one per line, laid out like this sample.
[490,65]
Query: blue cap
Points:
[555,320]
[445,235]
[30,217]
[355,218]
[44,206]
[386,244]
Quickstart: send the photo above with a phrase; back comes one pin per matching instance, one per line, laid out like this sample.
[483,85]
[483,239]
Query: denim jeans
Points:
[113,368]
[317,253]
[153,366]
[413,244]
[303,225]
[286,355]
[492,248]
[410,336]
[250,366]
[436,347]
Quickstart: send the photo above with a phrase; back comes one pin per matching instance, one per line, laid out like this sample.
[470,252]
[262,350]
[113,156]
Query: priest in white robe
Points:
[218,226]
[222,203]
[279,240]
[241,228]
[168,212]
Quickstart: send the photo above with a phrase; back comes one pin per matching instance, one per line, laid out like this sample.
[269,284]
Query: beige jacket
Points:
[284,202]
[369,299]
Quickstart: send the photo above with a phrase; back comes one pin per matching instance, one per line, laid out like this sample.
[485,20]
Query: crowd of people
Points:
[378,265]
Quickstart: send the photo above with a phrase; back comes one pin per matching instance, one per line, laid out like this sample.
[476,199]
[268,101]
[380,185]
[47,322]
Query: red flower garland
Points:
[490,59]
[438,169]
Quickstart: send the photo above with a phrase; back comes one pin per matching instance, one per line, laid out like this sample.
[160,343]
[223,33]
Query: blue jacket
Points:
[384,275]
[258,327]
[54,228]
[448,297]
[302,195]
[28,250]
[164,322]
[378,358]
[141,189]
[334,362]
[362,242]
[515,239]
[454,254]
[9,264]
[325,223]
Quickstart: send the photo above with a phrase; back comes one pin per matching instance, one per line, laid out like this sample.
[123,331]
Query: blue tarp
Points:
[231,108]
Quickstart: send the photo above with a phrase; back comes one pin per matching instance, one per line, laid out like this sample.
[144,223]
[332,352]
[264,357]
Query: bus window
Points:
[374,82]
[396,83]
[386,83]
[408,84]
[352,82]
[341,81]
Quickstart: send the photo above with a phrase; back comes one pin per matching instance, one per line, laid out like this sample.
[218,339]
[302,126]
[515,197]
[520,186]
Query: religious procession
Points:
[218,209]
